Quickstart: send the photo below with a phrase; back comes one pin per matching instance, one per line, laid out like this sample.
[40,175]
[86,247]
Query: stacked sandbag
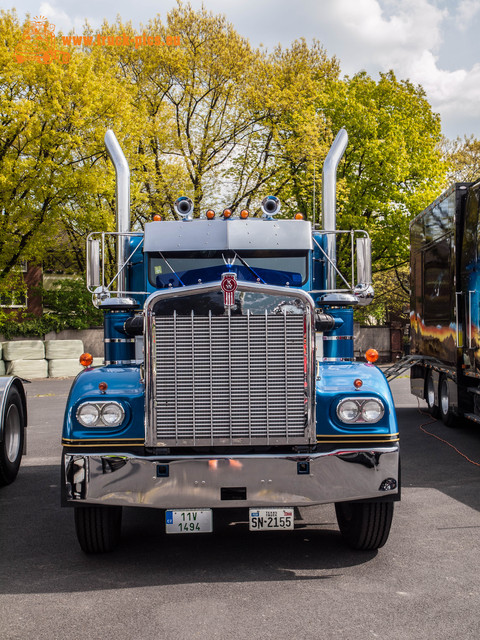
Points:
[25,358]
[63,357]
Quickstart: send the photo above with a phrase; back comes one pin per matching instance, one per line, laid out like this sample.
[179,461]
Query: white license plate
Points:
[270,519]
[188,521]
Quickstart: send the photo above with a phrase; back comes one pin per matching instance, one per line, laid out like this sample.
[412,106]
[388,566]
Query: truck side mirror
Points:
[93,263]
[364,290]
[364,261]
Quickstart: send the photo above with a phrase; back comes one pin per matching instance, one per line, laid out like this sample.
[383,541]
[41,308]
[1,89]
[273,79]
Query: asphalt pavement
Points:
[305,584]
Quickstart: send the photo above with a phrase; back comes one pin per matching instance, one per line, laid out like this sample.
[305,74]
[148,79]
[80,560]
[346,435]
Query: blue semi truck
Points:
[229,378]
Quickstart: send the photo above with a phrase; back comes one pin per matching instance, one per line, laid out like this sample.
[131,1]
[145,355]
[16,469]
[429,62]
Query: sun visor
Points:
[240,235]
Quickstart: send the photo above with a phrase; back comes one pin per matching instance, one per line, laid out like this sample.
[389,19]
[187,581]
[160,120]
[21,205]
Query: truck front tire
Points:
[364,525]
[11,445]
[98,528]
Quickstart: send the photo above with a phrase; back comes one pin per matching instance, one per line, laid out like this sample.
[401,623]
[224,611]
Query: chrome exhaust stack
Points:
[329,202]
[122,203]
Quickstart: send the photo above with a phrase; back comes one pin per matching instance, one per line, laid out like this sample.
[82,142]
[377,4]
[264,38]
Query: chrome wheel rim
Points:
[12,433]
[444,397]
[430,393]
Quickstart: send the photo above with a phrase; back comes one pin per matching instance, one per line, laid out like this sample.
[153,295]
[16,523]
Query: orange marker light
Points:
[213,464]
[103,386]
[244,214]
[227,213]
[86,359]
[210,214]
[357,383]
[371,355]
[157,218]
[299,216]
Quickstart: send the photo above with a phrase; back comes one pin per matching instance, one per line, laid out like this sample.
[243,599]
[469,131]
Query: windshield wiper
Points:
[259,278]
[171,269]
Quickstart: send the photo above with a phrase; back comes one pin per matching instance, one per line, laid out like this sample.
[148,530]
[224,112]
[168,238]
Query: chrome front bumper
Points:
[231,481]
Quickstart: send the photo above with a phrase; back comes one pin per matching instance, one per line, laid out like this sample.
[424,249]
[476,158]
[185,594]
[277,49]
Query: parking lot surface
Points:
[305,584]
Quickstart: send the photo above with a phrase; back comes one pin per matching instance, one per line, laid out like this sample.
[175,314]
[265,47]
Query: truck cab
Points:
[229,378]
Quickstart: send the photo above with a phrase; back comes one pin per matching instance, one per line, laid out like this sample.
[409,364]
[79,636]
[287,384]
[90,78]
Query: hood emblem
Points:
[229,286]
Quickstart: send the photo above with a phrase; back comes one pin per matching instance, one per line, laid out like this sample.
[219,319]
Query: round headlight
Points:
[348,411]
[372,410]
[87,415]
[112,414]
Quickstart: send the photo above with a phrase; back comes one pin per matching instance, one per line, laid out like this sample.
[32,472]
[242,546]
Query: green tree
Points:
[392,167]
[214,119]
[190,101]
[53,117]
[463,158]
[392,298]
[278,156]
[220,121]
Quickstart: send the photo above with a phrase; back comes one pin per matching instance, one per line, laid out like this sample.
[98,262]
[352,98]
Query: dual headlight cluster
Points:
[100,414]
[360,410]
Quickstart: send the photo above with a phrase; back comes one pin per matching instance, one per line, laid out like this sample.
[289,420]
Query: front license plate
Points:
[270,519]
[188,521]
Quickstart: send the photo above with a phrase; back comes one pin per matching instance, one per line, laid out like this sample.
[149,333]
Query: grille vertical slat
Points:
[229,379]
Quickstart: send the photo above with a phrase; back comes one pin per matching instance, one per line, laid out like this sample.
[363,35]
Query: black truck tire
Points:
[98,528]
[12,440]
[364,525]
[449,419]
[430,396]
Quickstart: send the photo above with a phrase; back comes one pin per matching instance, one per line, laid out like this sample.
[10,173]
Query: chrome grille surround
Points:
[230,379]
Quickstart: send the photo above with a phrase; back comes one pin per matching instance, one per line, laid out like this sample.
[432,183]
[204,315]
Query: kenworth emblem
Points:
[229,286]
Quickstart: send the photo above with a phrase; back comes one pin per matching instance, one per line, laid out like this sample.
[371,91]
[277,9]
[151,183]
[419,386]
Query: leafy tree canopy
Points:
[463,159]
[392,167]
[212,118]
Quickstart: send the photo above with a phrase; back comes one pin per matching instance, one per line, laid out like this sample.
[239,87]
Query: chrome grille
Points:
[230,379]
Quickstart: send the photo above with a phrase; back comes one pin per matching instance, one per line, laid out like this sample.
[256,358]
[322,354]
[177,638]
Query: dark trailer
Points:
[445,302]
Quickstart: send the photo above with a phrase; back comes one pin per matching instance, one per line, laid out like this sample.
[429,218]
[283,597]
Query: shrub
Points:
[67,305]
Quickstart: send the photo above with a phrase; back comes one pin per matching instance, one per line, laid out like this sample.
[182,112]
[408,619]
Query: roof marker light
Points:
[371,355]
[210,215]
[227,213]
[244,214]
[298,216]
[357,383]
[157,218]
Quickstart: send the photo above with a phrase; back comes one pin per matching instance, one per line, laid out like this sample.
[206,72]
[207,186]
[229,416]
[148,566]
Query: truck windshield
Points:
[177,268]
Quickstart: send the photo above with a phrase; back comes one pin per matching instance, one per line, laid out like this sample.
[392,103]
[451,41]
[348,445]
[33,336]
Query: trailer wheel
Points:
[98,528]
[11,445]
[364,525]
[430,396]
[446,413]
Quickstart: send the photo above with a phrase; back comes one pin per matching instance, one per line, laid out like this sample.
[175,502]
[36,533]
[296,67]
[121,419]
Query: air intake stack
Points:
[329,202]
[122,207]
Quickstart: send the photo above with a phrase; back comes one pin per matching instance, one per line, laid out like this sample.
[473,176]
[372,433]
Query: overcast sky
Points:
[435,43]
